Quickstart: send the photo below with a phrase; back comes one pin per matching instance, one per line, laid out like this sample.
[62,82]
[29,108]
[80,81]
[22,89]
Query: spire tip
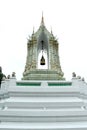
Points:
[33,29]
[42,20]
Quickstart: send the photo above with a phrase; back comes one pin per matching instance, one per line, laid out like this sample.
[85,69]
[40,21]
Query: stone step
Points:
[44,102]
[44,126]
[15,115]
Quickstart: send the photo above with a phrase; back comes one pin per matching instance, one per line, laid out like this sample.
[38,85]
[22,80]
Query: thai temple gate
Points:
[43,99]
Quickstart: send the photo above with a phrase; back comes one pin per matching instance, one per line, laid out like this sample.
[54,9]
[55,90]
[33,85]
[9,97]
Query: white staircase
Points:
[43,105]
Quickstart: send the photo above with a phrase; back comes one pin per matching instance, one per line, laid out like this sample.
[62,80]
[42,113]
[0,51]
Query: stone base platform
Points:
[43,75]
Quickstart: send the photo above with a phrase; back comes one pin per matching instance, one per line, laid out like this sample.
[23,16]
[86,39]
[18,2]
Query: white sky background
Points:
[68,19]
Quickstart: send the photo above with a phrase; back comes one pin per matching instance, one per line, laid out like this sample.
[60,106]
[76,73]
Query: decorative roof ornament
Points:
[33,30]
[42,20]
[51,31]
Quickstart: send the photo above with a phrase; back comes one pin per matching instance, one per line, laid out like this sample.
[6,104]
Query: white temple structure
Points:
[43,99]
[42,61]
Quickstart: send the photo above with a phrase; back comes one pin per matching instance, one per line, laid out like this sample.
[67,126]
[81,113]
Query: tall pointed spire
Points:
[33,29]
[42,20]
[51,31]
